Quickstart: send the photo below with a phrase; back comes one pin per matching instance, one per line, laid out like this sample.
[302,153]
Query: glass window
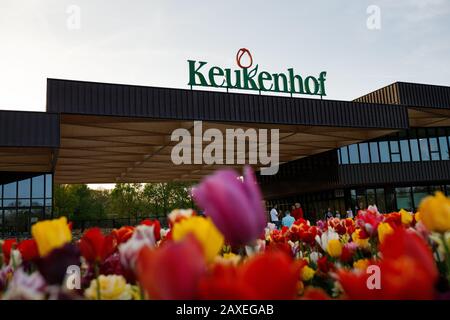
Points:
[36,215]
[38,187]
[361,198]
[424,152]
[353,152]
[48,185]
[23,202]
[418,194]
[434,149]
[24,188]
[374,152]
[344,155]
[404,200]
[9,203]
[404,148]
[394,146]
[364,152]
[395,157]
[433,189]
[384,151]
[339,156]
[37,202]
[381,203]
[371,200]
[10,190]
[444,148]
[9,221]
[415,156]
[395,152]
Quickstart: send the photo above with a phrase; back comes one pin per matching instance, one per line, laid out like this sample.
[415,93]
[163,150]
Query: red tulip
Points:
[173,271]
[7,246]
[224,283]
[157,227]
[28,249]
[407,271]
[95,247]
[123,234]
[272,275]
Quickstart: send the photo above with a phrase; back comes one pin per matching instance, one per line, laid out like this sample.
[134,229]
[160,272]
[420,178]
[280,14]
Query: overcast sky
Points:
[148,42]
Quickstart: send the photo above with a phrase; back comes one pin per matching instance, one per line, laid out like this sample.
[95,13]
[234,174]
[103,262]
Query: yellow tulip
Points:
[406,217]
[334,248]
[307,273]
[362,243]
[384,229]
[204,231]
[112,287]
[435,212]
[51,234]
[361,264]
[417,216]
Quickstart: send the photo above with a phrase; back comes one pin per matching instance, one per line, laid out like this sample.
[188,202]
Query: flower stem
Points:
[447,255]
[97,280]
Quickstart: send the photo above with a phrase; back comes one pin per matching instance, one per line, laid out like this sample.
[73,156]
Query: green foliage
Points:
[79,202]
[125,200]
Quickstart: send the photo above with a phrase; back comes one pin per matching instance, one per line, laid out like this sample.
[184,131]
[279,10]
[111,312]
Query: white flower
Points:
[271,226]
[25,286]
[164,233]
[330,234]
[260,246]
[314,256]
[178,213]
[16,258]
[143,235]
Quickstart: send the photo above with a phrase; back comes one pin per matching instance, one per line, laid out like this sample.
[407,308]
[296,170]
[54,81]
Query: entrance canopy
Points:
[107,133]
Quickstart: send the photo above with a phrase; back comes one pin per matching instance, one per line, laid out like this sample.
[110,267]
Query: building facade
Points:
[390,147]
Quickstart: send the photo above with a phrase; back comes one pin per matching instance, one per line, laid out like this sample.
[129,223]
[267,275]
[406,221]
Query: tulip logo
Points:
[247,78]
[240,54]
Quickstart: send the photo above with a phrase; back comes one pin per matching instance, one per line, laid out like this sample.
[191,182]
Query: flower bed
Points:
[233,253]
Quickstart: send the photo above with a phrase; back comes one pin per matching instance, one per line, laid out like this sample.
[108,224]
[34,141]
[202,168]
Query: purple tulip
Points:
[235,206]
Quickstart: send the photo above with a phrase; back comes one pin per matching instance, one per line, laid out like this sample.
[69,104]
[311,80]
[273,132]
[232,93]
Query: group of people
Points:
[286,220]
[296,212]
[336,214]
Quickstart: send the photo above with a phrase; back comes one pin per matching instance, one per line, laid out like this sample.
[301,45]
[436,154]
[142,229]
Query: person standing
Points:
[328,214]
[287,220]
[274,216]
[298,211]
[350,213]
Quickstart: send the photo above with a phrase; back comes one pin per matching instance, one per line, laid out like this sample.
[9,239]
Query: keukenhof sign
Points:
[247,78]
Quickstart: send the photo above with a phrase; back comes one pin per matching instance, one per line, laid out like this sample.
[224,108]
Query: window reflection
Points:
[24,201]
[353,152]
[364,152]
[396,148]
[424,152]
[384,151]
[374,152]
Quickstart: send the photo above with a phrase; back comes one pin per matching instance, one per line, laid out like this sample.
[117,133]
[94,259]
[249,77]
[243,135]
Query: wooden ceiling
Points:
[105,149]
[429,117]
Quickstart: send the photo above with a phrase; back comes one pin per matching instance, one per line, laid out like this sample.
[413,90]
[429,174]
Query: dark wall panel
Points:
[65,96]
[29,129]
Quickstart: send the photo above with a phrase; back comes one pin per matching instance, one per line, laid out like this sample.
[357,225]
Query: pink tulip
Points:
[235,206]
